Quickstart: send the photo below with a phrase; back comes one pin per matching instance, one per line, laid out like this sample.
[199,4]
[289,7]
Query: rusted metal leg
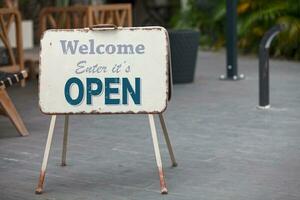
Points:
[65,141]
[165,131]
[163,187]
[39,188]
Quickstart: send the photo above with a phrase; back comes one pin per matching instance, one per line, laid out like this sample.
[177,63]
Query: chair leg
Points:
[163,187]
[166,135]
[23,83]
[12,113]
[39,189]
[65,141]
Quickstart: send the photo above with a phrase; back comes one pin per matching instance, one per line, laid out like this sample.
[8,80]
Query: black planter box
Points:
[184,48]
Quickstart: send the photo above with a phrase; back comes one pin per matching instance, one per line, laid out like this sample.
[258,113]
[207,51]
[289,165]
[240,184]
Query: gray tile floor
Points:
[226,148]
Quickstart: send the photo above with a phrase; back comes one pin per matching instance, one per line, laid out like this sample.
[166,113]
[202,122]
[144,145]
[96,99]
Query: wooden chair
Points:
[13,71]
[80,16]
[63,18]
[7,107]
[8,17]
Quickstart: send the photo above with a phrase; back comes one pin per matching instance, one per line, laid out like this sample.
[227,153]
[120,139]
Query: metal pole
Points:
[264,91]
[231,42]
[231,38]
[65,141]
[264,88]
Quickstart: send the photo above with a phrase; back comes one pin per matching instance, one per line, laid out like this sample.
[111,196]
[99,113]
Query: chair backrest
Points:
[117,14]
[80,16]
[9,17]
[63,18]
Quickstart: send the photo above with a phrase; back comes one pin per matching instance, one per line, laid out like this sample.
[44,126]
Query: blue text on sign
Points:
[111,86]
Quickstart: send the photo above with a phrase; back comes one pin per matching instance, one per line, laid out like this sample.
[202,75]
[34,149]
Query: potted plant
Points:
[184,41]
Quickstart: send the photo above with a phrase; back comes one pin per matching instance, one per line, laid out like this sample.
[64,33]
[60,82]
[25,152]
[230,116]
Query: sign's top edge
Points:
[110,28]
[88,29]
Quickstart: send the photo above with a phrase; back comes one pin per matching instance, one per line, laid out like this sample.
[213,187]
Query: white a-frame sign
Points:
[105,70]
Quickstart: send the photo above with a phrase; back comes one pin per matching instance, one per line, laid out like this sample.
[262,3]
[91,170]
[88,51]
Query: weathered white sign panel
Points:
[123,70]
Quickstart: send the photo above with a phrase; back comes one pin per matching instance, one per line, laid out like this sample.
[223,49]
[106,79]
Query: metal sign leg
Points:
[39,188]
[65,141]
[163,187]
[166,135]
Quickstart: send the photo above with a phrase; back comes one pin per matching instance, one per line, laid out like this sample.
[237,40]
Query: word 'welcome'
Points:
[74,46]
[95,87]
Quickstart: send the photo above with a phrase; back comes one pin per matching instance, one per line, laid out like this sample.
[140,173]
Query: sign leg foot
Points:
[163,187]
[65,142]
[167,138]
[39,188]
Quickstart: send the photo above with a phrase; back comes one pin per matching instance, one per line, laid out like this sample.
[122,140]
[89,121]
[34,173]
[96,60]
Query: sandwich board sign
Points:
[105,70]
[109,71]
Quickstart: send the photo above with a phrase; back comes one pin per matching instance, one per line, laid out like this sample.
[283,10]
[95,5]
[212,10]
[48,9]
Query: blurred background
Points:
[255,17]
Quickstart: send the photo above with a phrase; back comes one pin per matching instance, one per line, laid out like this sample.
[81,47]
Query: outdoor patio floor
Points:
[225,147]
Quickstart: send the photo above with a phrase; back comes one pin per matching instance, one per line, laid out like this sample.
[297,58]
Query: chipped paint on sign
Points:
[123,70]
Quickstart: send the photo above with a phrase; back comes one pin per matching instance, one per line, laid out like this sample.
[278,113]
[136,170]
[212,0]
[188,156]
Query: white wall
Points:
[27,32]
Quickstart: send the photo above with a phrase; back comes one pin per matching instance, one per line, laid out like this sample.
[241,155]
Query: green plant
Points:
[255,17]
[209,21]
